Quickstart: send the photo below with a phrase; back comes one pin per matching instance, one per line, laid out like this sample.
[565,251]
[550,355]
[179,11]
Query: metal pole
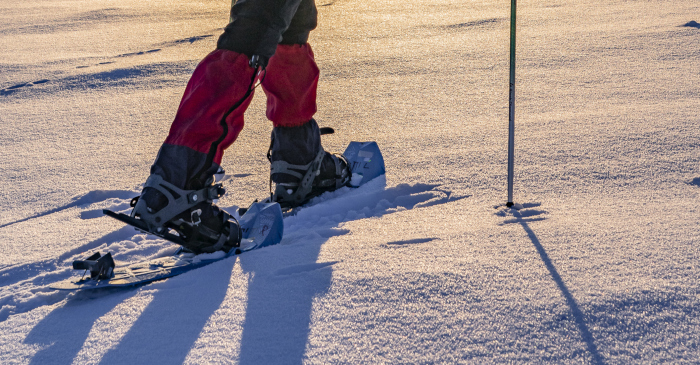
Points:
[511,106]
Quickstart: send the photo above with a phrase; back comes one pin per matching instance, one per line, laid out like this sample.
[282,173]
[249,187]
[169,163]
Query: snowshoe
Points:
[261,226]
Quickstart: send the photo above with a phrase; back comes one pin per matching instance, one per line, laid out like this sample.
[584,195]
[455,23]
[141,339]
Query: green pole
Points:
[511,107]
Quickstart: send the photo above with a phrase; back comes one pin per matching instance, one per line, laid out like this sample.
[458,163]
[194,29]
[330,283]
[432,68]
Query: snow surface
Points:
[599,266]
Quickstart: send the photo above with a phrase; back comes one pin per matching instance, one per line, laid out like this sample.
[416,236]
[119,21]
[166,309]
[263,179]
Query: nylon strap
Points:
[305,184]
[186,199]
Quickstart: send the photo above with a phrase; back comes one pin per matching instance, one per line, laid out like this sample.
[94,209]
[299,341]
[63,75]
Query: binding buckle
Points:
[196,217]
[254,62]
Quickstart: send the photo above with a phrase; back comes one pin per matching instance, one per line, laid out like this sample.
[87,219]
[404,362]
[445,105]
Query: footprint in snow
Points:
[14,88]
[193,39]
[304,268]
[97,64]
[467,26]
[189,40]
[404,243]
[139,53]
[167,44]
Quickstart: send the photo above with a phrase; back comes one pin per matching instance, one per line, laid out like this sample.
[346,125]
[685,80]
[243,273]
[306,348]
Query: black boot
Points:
[202,225]
[300,168]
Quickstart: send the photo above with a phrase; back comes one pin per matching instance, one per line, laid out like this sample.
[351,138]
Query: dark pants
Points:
[259,25]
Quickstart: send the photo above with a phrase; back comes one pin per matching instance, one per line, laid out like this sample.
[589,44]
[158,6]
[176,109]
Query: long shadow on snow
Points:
[16,273]
[65,329]
[570,300]
[164,332]
[278,314]
[280,301]
[35,276]
[168,328]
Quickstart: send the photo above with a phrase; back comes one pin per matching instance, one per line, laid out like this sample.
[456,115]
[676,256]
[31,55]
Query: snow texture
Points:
[598,265]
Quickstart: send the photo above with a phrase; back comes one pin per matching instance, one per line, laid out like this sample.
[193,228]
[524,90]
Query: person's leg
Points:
[202,130]
[208,120]
[199,134]
[300,167]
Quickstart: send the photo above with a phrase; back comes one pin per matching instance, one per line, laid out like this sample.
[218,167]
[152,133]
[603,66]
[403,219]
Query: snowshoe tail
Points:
[366,162]
[262,225]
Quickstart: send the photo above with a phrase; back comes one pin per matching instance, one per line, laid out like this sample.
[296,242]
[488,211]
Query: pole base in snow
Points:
[510,205]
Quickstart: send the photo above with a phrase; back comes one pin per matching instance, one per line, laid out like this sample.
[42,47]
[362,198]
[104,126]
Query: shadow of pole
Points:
[576,311]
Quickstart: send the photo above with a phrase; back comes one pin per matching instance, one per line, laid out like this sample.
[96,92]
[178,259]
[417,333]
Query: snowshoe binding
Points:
[200,225]
[299,166]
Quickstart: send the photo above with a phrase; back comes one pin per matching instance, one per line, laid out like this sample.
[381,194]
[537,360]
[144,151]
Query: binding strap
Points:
[305,184]
[178,201]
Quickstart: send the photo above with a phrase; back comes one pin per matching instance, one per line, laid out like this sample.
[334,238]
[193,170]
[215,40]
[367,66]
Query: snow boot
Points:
[202,225]
[299,166]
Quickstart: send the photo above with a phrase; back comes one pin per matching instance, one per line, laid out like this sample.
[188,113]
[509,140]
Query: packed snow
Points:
[426,265]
